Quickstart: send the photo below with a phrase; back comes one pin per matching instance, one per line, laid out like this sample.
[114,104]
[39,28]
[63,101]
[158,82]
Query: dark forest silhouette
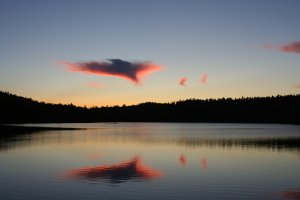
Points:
[275,109]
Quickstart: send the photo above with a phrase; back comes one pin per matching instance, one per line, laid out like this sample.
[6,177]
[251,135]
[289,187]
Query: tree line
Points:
[273,109]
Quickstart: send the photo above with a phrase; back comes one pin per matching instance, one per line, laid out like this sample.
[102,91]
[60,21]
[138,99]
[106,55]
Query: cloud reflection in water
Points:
[295,195]
[182,160]
[132,169]
[204,163]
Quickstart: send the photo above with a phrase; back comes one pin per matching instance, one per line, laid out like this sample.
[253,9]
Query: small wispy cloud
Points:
[133,71]
[292,47]
[297,86]
[182,81]
[204,78]
[94,85]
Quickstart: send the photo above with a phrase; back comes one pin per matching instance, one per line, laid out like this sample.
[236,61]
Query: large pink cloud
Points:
[182,81]
[293,47]
[133,71]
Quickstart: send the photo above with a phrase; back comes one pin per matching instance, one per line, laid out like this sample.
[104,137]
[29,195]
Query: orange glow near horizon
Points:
[297,86]
[117,93]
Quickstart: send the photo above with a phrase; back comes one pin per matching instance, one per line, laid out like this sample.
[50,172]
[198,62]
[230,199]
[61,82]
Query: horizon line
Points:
[153,102]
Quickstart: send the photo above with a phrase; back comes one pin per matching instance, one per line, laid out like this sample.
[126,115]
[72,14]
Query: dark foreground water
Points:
[151,161]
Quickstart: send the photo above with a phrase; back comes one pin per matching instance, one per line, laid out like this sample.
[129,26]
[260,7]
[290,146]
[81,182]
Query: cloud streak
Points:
[297,86]
[182,81]
[292,47]
[132,71]
[204,78]
[94,85]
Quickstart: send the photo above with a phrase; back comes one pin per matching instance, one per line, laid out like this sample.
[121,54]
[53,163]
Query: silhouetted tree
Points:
[275,109]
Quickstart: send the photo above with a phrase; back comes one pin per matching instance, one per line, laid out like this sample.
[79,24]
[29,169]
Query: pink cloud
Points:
[293,47]
[132,71]
[182,81]
[94,85]
[204,78]
[297,86]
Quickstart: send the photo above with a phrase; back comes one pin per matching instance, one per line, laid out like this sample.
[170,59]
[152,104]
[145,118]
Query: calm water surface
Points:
[152,161]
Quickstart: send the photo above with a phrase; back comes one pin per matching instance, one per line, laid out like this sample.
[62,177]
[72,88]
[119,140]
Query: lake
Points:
[151,161]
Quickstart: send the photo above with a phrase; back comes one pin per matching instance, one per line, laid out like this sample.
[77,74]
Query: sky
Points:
[116,52]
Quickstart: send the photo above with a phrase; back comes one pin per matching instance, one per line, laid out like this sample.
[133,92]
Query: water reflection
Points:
[194,163]
[204,163]
[182,160]
[15,138]
[66,137]
[11,137]
[293,195]
[95,156]
[132,169]
[19,136]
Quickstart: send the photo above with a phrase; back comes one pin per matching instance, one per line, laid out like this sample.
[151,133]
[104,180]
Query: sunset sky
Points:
[127,52]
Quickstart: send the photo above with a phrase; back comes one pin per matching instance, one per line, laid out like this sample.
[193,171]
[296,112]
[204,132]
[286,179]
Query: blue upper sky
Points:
[225,39]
